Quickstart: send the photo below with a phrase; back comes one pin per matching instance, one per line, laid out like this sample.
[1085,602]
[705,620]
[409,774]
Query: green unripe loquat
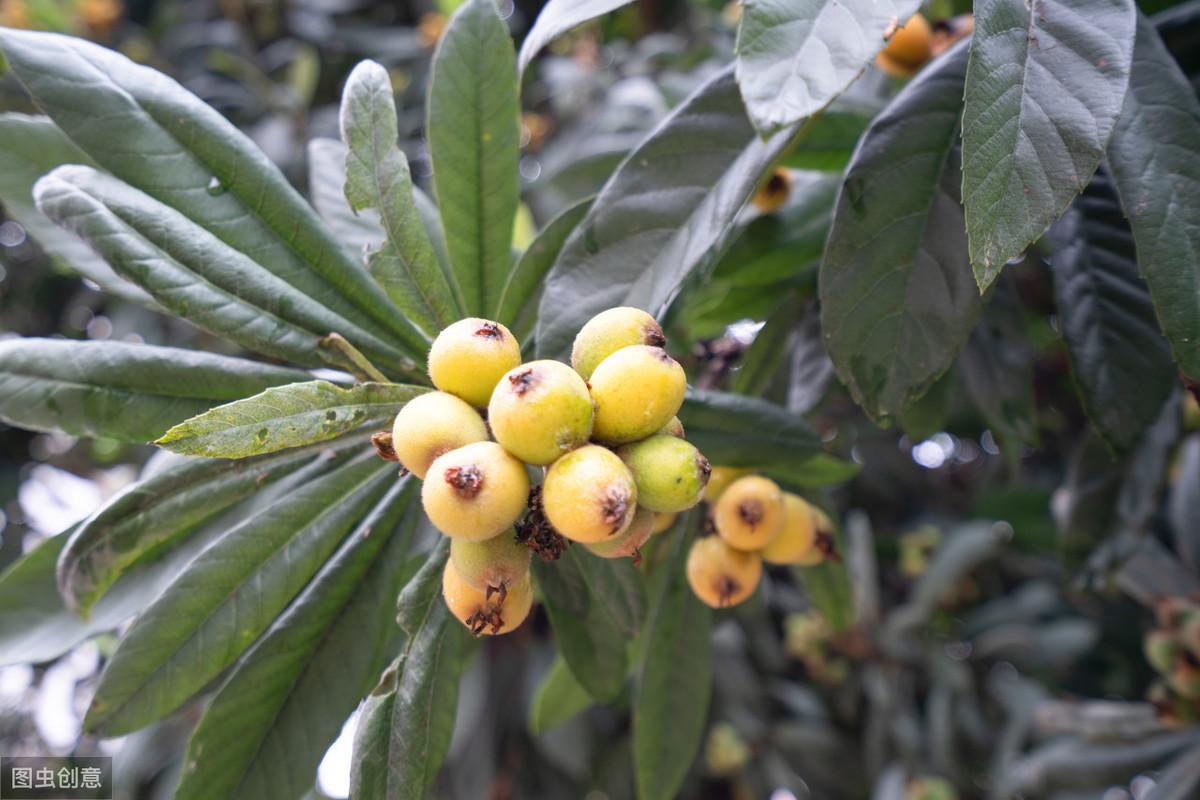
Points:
[589,495]
[468,357]
[495,563]
[637,390]
[475,492]
[797,536]
[670,473]
[541,410]
[720,575]
[750,512]
[719,480]
[432,424]
[674,427]
[628,542]
[486,613]
[609,331]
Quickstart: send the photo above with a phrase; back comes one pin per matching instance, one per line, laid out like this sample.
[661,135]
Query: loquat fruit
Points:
[540,410]
[750,512]
[470,356]
[475,492]
[720,575]
[670,473]
[609,331]
[486,613]
[432,424]
[589,495]
[636,390]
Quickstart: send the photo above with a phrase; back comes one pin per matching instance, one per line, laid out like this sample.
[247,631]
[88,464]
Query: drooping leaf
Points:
[194,274]
[795,56]
[404,730]
[1107,318]
[897,297]
[270,723]
[997,367]
[229,595]
[473,143]
[327,192]
[153,512]
[131,392]
[29,148]
[286,416]
[667,209]
[520,291]
[147,130]
[378,178]
[559,697]
[1154,156]
[593,605]
[1043,90]
[671,705]
[556,18]
[735,430]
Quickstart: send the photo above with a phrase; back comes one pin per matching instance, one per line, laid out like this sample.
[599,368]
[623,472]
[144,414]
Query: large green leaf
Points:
[594,605]
[521,290]
[404,730]
[154,512]
[1107,318]
[229,595]
[1044,88]
[196,275]
[667,209]
[559,697]
[671,705]
[735,430]
[378,178]
[266,730]
[131,392]
[1154,156]
[897,297]
[795,56]
[473,137]
[29,148]
[151,133]
[287,416]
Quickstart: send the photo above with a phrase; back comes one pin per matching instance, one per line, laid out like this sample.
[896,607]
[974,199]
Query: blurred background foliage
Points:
[1005,566]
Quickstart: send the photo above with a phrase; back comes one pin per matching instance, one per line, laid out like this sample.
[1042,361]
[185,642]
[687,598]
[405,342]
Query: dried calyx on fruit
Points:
[486,613]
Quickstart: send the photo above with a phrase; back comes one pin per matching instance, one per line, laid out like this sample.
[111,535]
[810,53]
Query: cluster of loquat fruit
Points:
[753,521]
[604,430]
[1173,649]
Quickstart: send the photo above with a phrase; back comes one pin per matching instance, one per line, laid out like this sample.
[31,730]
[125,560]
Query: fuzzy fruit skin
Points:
[670,473]
[719,480]
[589,495]
[465,602]
[637,390]
[627,543]
[609,331]
[662,521]
[468,357]
[495,562]
[432,424]
[798,535]
[908,49]
[720,575]
[541,410]
[750,513]
[674,427]
[475,492]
